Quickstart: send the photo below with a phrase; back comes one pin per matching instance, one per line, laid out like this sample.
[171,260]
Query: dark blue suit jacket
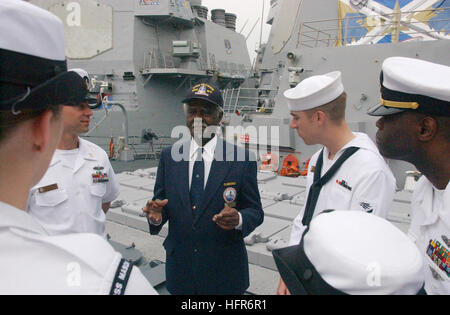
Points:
[202,258]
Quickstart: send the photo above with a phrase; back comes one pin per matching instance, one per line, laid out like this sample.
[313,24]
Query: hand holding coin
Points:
[228,218]
[154,208]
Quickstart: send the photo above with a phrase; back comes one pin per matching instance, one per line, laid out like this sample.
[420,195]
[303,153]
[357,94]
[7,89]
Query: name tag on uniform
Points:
[45,189]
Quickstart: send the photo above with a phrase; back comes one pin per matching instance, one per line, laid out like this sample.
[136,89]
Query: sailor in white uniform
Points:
[349,172]
[430,230]
[34,82]
[79,186]
[415,127]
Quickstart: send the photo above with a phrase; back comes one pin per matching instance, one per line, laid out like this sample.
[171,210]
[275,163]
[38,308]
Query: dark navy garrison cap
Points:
[409,84]
[205,91]
[33,68]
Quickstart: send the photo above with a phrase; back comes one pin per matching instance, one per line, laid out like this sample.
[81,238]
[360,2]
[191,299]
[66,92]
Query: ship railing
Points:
[155,59]
[232,70]
[212,62]
[246,100]
[324,33]
[149,150]
[141,150]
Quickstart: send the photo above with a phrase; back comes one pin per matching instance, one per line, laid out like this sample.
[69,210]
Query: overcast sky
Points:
[249,10]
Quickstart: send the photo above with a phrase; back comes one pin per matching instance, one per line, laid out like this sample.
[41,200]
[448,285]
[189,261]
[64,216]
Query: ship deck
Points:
[281,197]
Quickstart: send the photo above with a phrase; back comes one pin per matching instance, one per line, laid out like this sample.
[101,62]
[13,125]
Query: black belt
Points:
[319,182]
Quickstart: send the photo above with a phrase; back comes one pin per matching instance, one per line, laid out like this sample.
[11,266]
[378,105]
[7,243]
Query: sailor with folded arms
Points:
[415,127]
[349,172]
[34,87]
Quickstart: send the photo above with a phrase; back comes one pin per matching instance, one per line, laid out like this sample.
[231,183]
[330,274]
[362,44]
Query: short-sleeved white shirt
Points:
[32,262]
[69,197]
[363,183]
[430,230]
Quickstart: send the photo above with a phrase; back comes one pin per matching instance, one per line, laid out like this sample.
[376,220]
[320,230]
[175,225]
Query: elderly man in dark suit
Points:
[211,200]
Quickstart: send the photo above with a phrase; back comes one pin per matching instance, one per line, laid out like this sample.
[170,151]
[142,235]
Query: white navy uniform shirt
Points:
[32,262]
[430,230]
[208,157]
[364,182]
[69,197]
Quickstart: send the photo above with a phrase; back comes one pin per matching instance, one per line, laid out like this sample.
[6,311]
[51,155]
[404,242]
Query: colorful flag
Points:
[363,22]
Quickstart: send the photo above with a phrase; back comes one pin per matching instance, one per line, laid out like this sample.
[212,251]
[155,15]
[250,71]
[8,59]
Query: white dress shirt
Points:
[69,198]
[208,157]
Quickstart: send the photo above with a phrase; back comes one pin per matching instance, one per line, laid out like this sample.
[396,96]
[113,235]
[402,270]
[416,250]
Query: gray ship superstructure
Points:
[316,37]
[308,37]
[144,55]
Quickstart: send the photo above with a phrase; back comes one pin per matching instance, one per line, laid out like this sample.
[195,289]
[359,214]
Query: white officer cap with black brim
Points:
[315,91]
[415,85]
[352,253]
[33,68]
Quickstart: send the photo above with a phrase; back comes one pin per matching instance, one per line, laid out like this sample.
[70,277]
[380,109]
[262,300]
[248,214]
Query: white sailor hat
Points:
[315,91]
[33,69]
[414,85]
[351,253]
